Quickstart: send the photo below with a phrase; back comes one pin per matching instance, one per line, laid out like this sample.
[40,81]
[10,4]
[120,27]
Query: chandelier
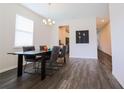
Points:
[48,21]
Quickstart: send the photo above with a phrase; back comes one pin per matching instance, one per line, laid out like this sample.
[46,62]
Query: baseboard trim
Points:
[6,69]
[118,80]
[83,57]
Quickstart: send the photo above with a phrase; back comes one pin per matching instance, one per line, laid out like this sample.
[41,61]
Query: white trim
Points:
[118,79]
[83,57]
[6,69]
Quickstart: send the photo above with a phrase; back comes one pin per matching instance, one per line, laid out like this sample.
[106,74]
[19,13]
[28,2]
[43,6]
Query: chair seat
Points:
[34,59]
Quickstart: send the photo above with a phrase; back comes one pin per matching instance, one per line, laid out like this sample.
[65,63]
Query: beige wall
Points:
[105,39]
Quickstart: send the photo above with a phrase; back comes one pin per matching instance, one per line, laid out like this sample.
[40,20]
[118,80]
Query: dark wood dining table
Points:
[20,61]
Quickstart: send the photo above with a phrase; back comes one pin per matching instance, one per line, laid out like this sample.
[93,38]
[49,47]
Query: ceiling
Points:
[67,11]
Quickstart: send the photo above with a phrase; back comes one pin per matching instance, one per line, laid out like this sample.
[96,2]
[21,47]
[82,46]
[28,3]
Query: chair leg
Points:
[38,66]
[34,66]
[25,67]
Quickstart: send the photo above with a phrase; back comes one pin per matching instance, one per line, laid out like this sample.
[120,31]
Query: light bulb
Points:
[50,23]
[45,23]
[53,22]
[49,20]
[44,20]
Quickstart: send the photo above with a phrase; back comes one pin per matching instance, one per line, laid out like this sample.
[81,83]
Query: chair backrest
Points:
[28,48]
[42,47]
[63,51]
[54,54]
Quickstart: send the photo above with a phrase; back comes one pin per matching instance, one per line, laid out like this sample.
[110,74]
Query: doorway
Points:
[64,36]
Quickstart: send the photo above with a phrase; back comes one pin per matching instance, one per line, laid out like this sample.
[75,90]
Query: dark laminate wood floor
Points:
[76,74]
[105,59]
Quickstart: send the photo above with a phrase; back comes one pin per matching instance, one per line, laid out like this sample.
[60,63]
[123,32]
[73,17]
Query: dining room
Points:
[26,46]
[32,56]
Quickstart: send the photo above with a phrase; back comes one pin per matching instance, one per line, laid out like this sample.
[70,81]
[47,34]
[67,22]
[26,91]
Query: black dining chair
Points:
[31,58]
[52,63]
[62,54]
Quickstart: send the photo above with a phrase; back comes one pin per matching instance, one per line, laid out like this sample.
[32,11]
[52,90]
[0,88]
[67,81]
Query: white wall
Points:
[79,50]
[104,39]
[117,32]
[7,32]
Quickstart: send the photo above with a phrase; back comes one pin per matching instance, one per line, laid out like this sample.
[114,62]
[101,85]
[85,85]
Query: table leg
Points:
[20,65]
[43,69]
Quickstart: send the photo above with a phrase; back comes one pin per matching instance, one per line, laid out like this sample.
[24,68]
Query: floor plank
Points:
[76,74]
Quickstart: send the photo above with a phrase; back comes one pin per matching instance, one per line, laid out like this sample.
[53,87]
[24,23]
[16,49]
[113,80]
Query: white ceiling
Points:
[66,11]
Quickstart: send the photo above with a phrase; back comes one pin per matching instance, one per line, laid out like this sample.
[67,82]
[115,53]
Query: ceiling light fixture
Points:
[48,21]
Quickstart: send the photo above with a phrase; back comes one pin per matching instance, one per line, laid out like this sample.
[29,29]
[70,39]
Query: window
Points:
[24,31]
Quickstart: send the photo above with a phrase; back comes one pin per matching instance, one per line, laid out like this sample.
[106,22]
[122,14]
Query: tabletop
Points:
[36,52]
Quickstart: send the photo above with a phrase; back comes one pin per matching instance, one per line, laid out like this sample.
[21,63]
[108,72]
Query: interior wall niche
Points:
[82,37]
